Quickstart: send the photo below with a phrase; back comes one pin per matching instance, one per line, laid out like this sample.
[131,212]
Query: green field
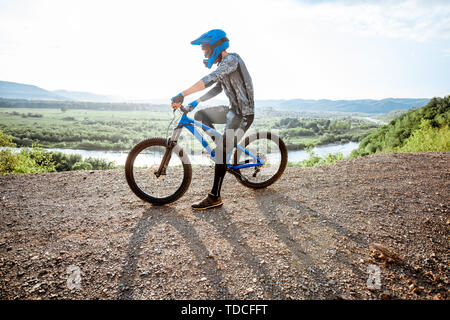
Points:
[120,130]
[82,129]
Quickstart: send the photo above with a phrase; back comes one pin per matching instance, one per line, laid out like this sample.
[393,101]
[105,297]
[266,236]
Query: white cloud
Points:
[409,19]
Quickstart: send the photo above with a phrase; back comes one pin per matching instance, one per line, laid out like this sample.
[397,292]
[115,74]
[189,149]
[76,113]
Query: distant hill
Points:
[85,96]
[363,106]
[13,90]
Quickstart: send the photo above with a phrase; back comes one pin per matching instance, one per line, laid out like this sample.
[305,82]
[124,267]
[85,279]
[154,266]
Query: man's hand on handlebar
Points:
[177,101]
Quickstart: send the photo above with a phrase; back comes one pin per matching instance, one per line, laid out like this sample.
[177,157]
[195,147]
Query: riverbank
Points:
[119,158]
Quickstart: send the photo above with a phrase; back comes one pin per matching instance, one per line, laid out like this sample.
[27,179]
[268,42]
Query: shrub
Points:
[100,164]
[428,138]
[82,166]
[65,162]
[315,160]
[6,140]
[26,161]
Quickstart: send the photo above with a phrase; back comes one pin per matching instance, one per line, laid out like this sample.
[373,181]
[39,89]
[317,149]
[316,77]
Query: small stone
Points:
[385,296]
[249,290]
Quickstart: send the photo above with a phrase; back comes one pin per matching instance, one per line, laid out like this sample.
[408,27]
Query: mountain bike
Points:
[159,171]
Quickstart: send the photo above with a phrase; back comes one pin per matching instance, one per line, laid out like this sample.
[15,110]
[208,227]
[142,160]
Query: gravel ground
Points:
[370,228]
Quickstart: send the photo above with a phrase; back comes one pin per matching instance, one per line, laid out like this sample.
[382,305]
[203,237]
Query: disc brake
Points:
[152,172]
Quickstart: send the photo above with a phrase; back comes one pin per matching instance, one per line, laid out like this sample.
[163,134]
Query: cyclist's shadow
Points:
[169,215]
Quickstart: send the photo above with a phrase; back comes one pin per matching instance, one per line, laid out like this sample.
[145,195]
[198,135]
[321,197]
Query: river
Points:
[374,120]
[294,156]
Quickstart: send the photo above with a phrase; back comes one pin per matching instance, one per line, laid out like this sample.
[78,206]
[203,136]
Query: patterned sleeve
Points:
[228,65]
[211,93]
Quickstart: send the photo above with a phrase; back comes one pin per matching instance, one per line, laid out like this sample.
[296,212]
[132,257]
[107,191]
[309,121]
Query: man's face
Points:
[207,51]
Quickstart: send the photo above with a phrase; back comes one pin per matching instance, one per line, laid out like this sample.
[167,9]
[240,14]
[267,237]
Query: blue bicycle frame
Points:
[190,124]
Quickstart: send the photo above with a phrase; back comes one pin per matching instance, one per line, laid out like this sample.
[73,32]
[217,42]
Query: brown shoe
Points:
[209,202]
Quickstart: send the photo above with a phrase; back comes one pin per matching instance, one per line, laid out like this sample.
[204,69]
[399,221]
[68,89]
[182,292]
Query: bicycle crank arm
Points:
[257,169]
[237,174]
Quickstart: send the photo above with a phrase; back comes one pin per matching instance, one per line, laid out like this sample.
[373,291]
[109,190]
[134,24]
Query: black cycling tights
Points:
[235,128]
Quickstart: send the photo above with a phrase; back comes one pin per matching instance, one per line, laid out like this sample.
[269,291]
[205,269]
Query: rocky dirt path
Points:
[370,228]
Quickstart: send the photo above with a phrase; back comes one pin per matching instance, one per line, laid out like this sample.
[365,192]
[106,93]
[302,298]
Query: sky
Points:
[339,49]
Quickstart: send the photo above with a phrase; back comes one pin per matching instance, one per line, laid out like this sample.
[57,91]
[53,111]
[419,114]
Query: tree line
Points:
[66,105]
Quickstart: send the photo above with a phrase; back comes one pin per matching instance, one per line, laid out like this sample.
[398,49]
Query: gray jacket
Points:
[232,76]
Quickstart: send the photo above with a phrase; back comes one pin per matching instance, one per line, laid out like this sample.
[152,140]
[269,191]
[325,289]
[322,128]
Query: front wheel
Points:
[268,147]
[142,164]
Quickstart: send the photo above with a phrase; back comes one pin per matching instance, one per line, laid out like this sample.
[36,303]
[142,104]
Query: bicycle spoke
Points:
[268,151]
[147,162]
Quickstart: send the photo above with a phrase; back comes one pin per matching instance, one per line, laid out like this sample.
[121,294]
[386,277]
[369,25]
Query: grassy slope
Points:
[435,116]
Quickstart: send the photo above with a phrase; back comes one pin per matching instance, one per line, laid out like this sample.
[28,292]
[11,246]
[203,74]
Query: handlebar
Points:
[182,109]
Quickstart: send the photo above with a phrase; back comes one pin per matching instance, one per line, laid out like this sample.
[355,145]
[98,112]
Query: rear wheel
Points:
[268,147]
[142,163]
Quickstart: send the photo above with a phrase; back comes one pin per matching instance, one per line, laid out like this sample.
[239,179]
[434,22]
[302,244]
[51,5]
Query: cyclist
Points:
[231,76]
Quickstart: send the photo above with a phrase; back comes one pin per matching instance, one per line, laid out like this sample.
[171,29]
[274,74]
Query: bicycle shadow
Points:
[167,215]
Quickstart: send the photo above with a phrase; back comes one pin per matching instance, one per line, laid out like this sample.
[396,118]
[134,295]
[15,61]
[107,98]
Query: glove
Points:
[192,105]
[178,98]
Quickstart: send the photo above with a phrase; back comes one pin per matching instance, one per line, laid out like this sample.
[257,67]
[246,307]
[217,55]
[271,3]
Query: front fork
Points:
[170,144]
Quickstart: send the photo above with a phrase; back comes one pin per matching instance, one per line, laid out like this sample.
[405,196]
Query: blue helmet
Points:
[216,40]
